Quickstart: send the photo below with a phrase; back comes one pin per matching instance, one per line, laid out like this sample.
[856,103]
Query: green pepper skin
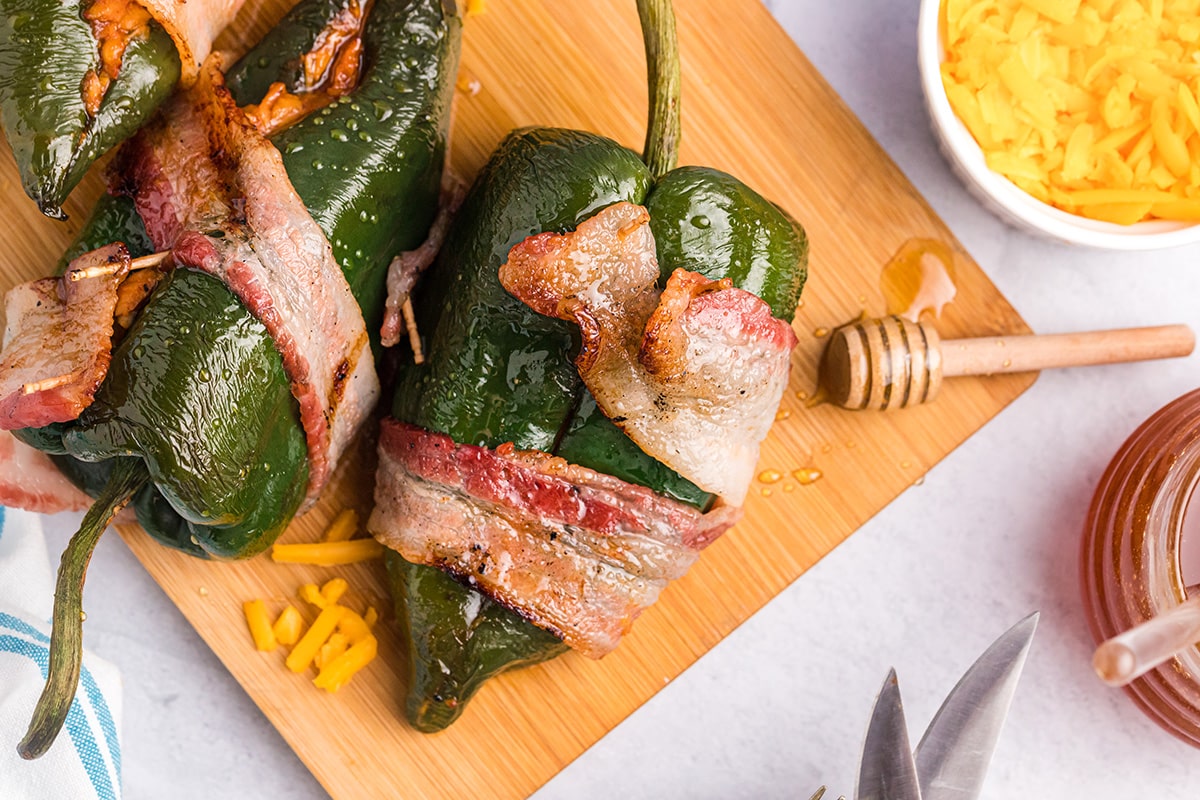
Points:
[368,166]
[709,222]
[480,638]
[276,57]
[540,180]
[46,48]
[197,371]
[197,389]
[592,440]
[503,373]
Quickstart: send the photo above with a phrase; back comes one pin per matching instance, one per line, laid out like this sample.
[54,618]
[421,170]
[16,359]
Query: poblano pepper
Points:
[498,372]
[196,400]
[47,50]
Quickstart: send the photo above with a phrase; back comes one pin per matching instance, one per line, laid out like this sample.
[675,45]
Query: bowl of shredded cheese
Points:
[1076,119]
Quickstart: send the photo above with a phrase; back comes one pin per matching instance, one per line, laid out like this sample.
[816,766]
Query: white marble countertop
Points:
[780,707]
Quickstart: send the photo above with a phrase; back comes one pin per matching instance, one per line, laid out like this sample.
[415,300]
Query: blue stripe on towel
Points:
[77,726]
[106,721]
[40,655]
[21,626]
[1,522]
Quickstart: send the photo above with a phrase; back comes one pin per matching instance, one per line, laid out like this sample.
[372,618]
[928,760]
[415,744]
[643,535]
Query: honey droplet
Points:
[821,333]
[1006,363]
[919,481]
[806,476]
[766,492]
[202,591]
[827,447]
[919,277]
[770,476]
[905,464]
[801,395]
[782,414]
[851,445]
[789,487]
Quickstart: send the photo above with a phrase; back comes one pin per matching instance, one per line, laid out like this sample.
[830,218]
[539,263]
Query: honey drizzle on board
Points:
[918,278]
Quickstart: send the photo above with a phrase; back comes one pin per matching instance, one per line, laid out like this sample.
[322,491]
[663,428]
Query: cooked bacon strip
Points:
[193,25]
[209,186]
[694,376]
[58,342]
[29,480]
[576,552]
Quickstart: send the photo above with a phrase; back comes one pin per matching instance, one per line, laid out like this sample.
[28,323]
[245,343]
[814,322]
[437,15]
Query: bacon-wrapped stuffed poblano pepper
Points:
[584,299]
[242,366]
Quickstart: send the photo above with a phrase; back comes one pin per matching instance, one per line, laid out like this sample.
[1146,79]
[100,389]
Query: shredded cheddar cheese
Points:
[311,594]
[334,674]
[328,553]
[288,627]
[333,590]
[1089,105]
[334,646]
[340,642]
[260,625]
[343,527]
[306,649]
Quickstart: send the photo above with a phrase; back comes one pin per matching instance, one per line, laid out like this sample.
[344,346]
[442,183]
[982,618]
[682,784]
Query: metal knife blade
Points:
[887,770]
[953,756]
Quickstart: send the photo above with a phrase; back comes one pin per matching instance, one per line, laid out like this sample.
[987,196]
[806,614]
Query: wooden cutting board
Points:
[753,106]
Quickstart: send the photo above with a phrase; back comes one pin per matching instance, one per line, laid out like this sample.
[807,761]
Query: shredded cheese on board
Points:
[1088,105]
[328,553]
[339,643]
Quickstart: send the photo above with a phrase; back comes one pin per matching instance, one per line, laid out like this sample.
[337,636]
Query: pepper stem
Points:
[66,635]
[662,68]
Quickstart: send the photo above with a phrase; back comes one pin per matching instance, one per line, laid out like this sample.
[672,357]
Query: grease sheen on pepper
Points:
[196,388]
[46,49]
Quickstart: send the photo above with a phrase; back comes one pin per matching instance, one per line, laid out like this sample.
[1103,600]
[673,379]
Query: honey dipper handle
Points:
[991,355]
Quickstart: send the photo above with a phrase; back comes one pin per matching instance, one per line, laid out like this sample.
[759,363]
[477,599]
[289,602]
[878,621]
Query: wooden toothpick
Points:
[47,383]
[144,262]
[414,336]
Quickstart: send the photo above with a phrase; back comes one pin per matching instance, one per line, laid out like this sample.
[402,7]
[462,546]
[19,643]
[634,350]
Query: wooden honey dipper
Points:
[895,363]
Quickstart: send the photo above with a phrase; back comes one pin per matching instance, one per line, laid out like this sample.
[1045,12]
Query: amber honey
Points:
[919,277]
[1131,564]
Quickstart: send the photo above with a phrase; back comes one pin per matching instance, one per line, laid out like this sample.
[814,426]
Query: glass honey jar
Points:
[1131,565]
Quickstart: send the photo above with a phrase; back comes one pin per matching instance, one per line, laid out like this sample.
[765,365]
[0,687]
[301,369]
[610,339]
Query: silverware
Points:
[953,755]
[887,771]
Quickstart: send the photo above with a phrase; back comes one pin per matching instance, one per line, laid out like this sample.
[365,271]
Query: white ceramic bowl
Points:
[1003,197]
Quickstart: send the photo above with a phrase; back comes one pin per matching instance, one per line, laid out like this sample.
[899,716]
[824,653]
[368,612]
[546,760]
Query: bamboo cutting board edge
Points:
[769,118]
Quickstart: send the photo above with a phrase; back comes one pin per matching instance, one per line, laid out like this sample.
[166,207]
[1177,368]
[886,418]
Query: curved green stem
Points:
[662,67]
[66,637]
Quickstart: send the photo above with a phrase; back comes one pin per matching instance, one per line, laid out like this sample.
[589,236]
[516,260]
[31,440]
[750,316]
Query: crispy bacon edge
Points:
[693,374]
[58,341]
[574,551]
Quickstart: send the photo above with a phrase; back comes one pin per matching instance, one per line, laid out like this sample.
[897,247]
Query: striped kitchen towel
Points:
[85,760]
